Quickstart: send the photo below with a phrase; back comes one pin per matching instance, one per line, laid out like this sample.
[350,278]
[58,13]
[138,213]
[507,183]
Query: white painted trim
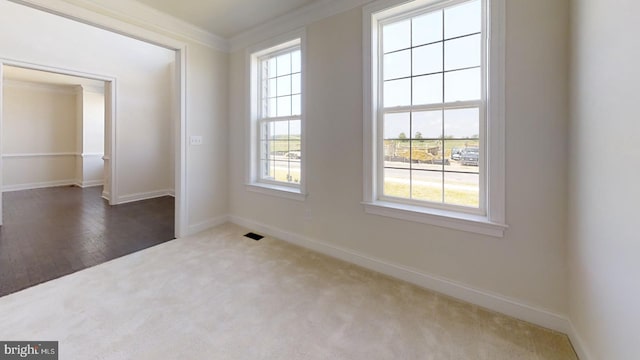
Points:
[301,17]
[493,185]
[33,155]
[36,86]
[142,196]
[452,220]
[56,70]
[39,185]
[496,112]
[207,224]
[92,89]
[482,298]
[157,29]
[579,345]
[148,17]
[181,145]
[106,196]
[111,143]
[90,155]
[296,37]
[89,183]
[146,23]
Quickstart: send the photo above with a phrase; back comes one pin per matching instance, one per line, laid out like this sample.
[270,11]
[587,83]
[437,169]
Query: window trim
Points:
[467,104]
[252,178]
[493,222]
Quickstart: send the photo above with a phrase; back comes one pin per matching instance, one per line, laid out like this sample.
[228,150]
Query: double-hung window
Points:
[431,118]
[276,119]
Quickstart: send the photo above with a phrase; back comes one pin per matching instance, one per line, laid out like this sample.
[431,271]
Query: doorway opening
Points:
[60,215]
[54,131]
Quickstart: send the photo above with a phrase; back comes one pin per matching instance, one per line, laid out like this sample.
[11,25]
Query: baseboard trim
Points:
[90,183]
[207,224]
[491,301]
[38,185]
[142,196]
[106,195]
[579,345]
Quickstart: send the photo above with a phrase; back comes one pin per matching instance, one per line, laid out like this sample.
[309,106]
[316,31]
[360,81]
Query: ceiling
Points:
[226,17]
[43,77]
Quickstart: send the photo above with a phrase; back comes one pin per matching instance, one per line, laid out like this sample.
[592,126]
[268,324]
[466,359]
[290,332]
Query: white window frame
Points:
[253,56]
[490,219]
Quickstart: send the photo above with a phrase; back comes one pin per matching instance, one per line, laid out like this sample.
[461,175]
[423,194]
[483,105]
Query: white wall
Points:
[143,85]
[604,243]
[39,126]
[93,120]
[207,170]
[92,125]
[52,135]
[528,264]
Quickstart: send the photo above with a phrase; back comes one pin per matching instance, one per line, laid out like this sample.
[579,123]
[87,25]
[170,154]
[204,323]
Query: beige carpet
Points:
[219,295]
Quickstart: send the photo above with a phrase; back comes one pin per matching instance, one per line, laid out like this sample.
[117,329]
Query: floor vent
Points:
[254,236]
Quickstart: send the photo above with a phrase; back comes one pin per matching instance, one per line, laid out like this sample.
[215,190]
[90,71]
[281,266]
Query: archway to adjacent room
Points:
[111,157]
[81,164]
[145,80]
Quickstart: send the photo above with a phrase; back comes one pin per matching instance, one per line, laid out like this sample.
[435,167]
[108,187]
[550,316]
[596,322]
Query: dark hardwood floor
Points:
[48,233]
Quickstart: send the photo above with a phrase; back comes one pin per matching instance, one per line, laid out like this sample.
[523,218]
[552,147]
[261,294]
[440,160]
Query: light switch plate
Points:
[195,140]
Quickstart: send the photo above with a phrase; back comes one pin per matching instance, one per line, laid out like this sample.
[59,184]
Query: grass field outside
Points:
[282,173]
[283,146]
[458,193]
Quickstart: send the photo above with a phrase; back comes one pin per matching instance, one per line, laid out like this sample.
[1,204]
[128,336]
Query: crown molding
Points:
[145,23]
[30,85]
[143,15]
[132,19]
[291,21]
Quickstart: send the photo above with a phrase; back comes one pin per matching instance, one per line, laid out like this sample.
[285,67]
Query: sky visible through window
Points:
[432,101]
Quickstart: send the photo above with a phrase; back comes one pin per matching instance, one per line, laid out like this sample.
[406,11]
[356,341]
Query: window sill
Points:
[278,191]
[448,219]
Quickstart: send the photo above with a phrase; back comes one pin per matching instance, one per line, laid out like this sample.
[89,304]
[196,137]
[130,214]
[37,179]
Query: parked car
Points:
[293,155]
[470,156]
[456,154]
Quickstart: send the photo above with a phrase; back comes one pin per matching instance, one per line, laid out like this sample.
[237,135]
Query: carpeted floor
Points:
[219,295]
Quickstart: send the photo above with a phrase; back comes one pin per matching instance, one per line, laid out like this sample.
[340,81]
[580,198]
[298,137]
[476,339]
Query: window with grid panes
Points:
[431,136]
[279,117]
